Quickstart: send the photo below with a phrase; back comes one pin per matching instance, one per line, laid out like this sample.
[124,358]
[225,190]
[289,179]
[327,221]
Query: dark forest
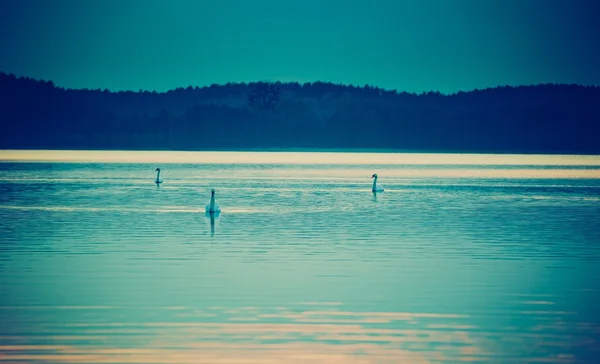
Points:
[547,118]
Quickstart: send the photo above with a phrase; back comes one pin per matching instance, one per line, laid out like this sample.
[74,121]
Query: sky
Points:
[414,46]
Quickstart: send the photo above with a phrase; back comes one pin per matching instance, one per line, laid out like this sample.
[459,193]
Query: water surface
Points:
[462,258]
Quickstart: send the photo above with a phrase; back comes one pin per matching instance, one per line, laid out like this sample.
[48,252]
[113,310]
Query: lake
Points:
[483,258]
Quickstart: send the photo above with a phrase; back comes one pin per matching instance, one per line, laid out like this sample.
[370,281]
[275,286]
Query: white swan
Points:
[212,206]
[158,180]
[376,188]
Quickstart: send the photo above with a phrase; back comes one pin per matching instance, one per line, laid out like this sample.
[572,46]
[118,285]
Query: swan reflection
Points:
[212,216]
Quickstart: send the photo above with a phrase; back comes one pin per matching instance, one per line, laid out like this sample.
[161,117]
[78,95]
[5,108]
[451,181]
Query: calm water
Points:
[462,258]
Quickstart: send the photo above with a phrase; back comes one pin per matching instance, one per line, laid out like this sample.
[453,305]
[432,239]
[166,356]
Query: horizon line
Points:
[340,84]
[264,156]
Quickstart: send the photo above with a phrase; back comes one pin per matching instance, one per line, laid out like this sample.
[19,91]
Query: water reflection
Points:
[212,215]
[250,334]
[262,158]
[100,267]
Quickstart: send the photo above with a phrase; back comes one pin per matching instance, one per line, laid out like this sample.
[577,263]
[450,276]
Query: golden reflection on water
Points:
[401,165]
[295,158]
[291,336]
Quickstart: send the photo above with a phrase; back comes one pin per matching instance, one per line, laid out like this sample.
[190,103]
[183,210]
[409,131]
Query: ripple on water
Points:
[304,264]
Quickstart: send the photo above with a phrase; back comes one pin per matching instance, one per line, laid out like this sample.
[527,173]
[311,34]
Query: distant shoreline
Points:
[288,117]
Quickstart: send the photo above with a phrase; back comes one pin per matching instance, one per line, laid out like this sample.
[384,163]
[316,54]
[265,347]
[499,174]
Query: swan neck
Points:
[157,174]
[374,183]
[212,202]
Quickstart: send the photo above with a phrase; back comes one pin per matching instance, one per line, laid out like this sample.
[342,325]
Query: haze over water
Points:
[485,258]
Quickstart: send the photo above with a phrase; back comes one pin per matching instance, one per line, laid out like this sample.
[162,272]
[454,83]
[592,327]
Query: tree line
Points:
[545,118]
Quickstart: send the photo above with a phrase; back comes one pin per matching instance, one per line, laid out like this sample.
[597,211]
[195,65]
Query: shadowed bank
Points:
[545,118]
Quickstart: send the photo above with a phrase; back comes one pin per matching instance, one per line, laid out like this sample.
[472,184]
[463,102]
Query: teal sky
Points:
[414,46]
